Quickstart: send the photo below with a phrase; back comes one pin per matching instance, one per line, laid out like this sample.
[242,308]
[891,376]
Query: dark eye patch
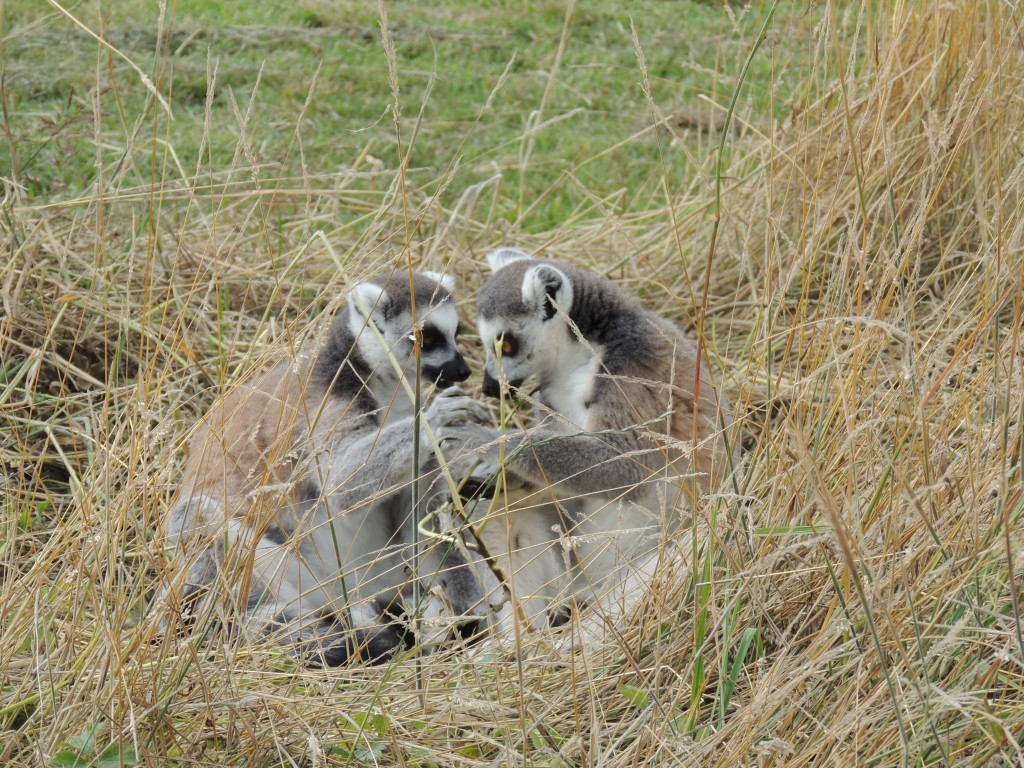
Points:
[509,345]
[431,338]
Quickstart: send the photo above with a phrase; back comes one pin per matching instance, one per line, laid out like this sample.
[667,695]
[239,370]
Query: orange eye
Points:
[509,345]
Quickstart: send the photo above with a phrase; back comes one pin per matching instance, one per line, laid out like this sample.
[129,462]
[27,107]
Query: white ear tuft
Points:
[547,288]
[503,256]
[364,300]
[445,281]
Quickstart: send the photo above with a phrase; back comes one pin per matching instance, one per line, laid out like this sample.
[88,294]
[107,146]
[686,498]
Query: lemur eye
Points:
[509,345]
[431,338]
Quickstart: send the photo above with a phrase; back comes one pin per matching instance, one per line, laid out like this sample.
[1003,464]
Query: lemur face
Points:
[522,315]
[440,359]
[514,350]
[391,339]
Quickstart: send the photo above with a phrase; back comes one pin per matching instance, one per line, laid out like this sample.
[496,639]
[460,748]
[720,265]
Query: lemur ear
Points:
[365,300]
[503,256]
[445,281]
[547,289]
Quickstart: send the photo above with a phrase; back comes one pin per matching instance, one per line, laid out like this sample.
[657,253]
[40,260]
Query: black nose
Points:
[492,388]
[452,372]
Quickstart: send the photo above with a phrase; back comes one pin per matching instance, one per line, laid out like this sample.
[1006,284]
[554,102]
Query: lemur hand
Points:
[474,454]
[451,407]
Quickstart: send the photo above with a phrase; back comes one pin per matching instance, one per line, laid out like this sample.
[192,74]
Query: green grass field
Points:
[302,93]
[834,206]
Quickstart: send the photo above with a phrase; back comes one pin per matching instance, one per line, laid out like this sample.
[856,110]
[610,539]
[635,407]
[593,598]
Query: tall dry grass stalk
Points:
[857,602]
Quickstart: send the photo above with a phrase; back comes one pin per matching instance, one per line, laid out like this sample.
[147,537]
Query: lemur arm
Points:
[378,461]
[610,464]
[365,468]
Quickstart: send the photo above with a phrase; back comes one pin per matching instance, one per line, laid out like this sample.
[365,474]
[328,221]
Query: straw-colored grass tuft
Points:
[858,284]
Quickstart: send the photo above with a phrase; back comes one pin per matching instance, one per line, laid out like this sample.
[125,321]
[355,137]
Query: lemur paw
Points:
[474,455]
[452,406]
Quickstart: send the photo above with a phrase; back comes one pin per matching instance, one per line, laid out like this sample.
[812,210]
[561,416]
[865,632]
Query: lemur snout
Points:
[492,387]
[452,372]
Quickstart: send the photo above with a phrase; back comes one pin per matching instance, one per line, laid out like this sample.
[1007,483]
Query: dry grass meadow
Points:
[855,268]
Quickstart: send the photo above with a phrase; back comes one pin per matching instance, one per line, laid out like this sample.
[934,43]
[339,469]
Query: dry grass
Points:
[857,603]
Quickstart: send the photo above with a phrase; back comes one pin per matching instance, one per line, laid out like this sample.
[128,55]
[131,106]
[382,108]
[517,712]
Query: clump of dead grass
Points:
[856,600]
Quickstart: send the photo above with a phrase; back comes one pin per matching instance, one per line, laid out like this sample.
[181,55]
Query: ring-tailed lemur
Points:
[629,424]
[294,509]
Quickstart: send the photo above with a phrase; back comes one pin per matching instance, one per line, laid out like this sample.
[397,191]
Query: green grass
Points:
[563,131]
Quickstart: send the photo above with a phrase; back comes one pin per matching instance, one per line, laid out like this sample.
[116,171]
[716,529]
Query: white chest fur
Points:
[569,390]
[392,399]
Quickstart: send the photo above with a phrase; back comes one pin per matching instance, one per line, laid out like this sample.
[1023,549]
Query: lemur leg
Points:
[452,604]
[365,530]
[612,599]
[279,585]
[611,605]
[524,546]
[451,593]
[522,565]
[321,610]
[200,592]
[608,539]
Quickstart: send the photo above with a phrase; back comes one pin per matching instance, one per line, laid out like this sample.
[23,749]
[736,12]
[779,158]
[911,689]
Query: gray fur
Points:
[617,411]
[295,510]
